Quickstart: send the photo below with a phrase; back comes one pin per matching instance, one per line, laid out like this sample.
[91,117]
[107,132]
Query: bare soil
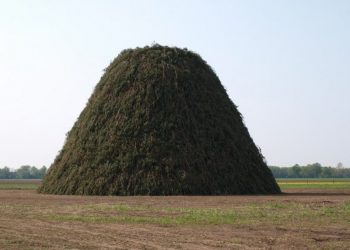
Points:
[22,228]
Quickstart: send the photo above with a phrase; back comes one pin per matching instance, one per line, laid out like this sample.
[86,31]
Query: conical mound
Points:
[159,123]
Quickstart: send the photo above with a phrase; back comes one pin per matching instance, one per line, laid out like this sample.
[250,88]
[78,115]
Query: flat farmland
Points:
[16,184]
[301,218]
[325,183]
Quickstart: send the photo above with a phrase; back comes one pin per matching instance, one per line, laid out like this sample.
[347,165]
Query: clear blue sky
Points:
[286,64]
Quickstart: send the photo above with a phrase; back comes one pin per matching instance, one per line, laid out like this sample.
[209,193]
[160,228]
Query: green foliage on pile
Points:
[159,123]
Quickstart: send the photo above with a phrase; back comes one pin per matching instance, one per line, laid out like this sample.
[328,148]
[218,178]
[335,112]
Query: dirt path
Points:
[21,228]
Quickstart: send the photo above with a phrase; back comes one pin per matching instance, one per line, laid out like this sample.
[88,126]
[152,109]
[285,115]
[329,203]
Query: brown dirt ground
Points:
[26,232]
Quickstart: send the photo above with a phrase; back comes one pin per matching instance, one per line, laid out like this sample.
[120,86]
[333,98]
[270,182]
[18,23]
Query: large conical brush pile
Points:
[159,123]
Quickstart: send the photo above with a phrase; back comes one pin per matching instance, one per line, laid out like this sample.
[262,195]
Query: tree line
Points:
[315,170]
[24,172]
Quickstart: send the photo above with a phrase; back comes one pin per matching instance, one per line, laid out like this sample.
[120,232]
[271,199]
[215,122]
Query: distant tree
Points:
[315,170]
[279,172]
[5,173]
[340,165]
[327,172]
[296,169]
[42,172]
[23,172]
[34,173]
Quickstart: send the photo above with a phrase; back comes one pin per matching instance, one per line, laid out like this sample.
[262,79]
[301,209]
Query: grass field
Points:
[17,184]
[302,218]
[342,183]
[247,215]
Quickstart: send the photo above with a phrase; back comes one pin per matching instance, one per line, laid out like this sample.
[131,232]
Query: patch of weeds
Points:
[339,185]
[278,213]
[18,186]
